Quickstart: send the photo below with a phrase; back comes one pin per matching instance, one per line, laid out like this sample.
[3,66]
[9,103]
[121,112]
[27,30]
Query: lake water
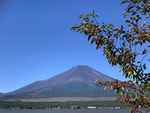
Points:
[68,111]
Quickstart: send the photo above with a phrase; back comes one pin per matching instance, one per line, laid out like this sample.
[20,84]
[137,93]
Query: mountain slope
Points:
[76,82]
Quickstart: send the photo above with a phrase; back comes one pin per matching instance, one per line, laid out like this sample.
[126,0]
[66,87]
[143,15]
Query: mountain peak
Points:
[82,67]
[71,82]
[83,73]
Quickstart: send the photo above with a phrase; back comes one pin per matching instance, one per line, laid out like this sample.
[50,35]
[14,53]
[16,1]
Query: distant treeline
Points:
[50,105]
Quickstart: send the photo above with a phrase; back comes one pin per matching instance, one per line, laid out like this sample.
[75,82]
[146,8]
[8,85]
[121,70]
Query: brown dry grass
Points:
[64,99]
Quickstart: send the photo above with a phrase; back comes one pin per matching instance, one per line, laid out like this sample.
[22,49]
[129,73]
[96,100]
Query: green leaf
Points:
[93,13]
[136,95]
[144,66]
[121,93]
[92,41]
[124,1]
[144,52]
[89,37]
[130,8]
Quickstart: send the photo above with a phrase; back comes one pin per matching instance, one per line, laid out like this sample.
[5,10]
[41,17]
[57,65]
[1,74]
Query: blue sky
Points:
[36,42]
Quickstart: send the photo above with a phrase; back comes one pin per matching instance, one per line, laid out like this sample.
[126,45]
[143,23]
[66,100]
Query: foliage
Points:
[126,47]
[67,104]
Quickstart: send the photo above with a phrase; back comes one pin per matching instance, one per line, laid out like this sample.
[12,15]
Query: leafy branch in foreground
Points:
[126,47]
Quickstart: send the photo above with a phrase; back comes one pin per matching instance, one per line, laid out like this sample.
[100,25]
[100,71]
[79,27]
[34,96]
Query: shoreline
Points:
[1,109]
[63,105]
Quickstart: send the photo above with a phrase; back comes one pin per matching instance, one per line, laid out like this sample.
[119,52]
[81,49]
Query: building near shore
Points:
[75,107]
[91,107]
